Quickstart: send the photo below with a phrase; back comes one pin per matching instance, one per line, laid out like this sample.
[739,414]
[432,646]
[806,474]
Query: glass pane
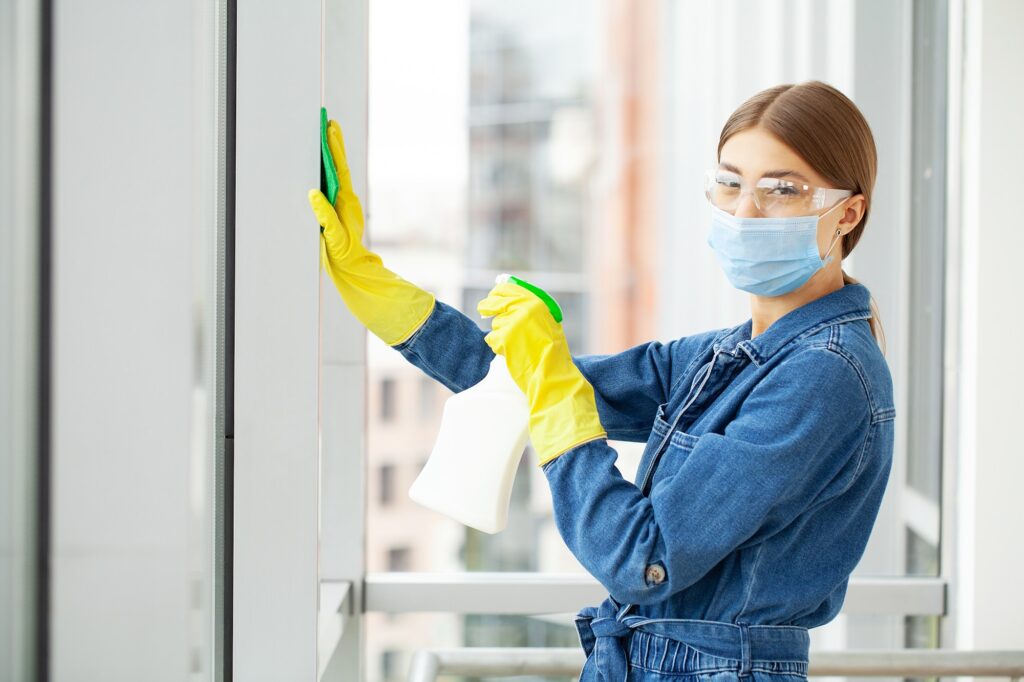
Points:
[495,173]
[566,143]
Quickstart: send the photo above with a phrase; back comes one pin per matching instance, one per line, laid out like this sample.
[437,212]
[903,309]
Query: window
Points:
[388,665]
[399,559]
[387,399]
[568,142]
[387,484]
[429,397]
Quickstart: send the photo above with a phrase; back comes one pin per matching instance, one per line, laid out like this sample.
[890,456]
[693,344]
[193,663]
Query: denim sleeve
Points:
[629,386]
[803,425]
[449,347]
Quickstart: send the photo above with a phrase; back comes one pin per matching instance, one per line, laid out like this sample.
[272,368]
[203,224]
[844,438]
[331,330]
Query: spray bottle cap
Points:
[550,302]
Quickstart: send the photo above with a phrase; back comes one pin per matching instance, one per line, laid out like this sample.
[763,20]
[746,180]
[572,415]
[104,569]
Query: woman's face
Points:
[755,153]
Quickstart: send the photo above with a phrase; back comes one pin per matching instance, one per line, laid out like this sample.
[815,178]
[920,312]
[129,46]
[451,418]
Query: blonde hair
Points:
[825,128]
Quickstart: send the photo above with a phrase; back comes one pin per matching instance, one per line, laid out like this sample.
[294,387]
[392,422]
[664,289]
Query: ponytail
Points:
[876,320]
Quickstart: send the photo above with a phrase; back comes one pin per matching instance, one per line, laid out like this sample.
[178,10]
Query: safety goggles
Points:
[774,197]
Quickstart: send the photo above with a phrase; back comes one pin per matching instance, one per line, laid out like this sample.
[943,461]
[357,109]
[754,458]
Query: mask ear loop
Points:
[835,240]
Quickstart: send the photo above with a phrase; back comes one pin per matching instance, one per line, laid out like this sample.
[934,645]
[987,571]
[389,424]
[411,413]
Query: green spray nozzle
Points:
[549,301]
[328,172]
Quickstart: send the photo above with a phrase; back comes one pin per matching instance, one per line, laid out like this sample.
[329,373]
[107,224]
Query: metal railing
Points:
[428,664]
[530,593]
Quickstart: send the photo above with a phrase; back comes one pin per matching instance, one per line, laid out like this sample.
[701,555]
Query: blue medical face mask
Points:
[768,256]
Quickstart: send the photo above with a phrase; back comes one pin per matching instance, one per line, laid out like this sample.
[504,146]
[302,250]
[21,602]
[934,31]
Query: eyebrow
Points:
[781,173]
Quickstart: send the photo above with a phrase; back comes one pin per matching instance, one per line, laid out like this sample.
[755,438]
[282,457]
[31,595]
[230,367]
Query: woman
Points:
[769,443]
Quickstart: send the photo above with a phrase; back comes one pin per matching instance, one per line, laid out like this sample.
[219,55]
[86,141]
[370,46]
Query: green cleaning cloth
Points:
[328,172]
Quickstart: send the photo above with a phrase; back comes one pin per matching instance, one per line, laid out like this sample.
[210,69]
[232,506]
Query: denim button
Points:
[655,573]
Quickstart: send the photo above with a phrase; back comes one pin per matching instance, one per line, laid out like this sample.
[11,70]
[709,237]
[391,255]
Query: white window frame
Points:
[275,576]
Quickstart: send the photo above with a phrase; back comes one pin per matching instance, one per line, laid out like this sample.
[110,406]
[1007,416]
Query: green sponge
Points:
[328,172]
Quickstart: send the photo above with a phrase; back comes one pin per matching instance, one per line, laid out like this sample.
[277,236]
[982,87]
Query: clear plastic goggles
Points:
[774,197]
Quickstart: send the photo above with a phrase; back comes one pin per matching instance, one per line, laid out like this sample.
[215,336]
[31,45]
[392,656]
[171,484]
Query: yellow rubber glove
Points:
[563,412]
[389,306]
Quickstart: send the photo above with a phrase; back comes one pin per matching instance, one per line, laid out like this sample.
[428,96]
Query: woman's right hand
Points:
[389,306]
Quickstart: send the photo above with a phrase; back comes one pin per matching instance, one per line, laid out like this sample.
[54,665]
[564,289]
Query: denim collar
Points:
[850,302]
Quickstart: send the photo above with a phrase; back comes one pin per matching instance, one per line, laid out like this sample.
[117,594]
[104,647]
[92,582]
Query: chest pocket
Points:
[705,386]
[675,451]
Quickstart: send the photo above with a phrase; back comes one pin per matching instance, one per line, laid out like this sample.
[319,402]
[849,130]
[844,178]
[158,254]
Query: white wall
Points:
[134,244]
[989,593]
[276,343]
[126,212]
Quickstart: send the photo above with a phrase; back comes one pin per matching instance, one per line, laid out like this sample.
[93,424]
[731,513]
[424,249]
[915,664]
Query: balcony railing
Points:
[427,664]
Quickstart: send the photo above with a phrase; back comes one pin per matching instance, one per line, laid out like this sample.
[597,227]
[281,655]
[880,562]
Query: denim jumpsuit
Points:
[765,463]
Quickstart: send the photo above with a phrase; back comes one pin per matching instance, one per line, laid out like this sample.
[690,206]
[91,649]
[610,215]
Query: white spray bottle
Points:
[484,429]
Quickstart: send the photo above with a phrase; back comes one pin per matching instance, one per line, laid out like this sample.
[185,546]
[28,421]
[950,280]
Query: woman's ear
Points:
[855,207]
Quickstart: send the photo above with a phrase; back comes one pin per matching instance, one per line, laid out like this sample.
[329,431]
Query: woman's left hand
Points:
[563,412]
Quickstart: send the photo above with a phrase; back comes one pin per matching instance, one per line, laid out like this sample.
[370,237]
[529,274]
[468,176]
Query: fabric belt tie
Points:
[602,631]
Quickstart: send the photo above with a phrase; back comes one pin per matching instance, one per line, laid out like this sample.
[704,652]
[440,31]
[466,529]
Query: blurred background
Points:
[205,459]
